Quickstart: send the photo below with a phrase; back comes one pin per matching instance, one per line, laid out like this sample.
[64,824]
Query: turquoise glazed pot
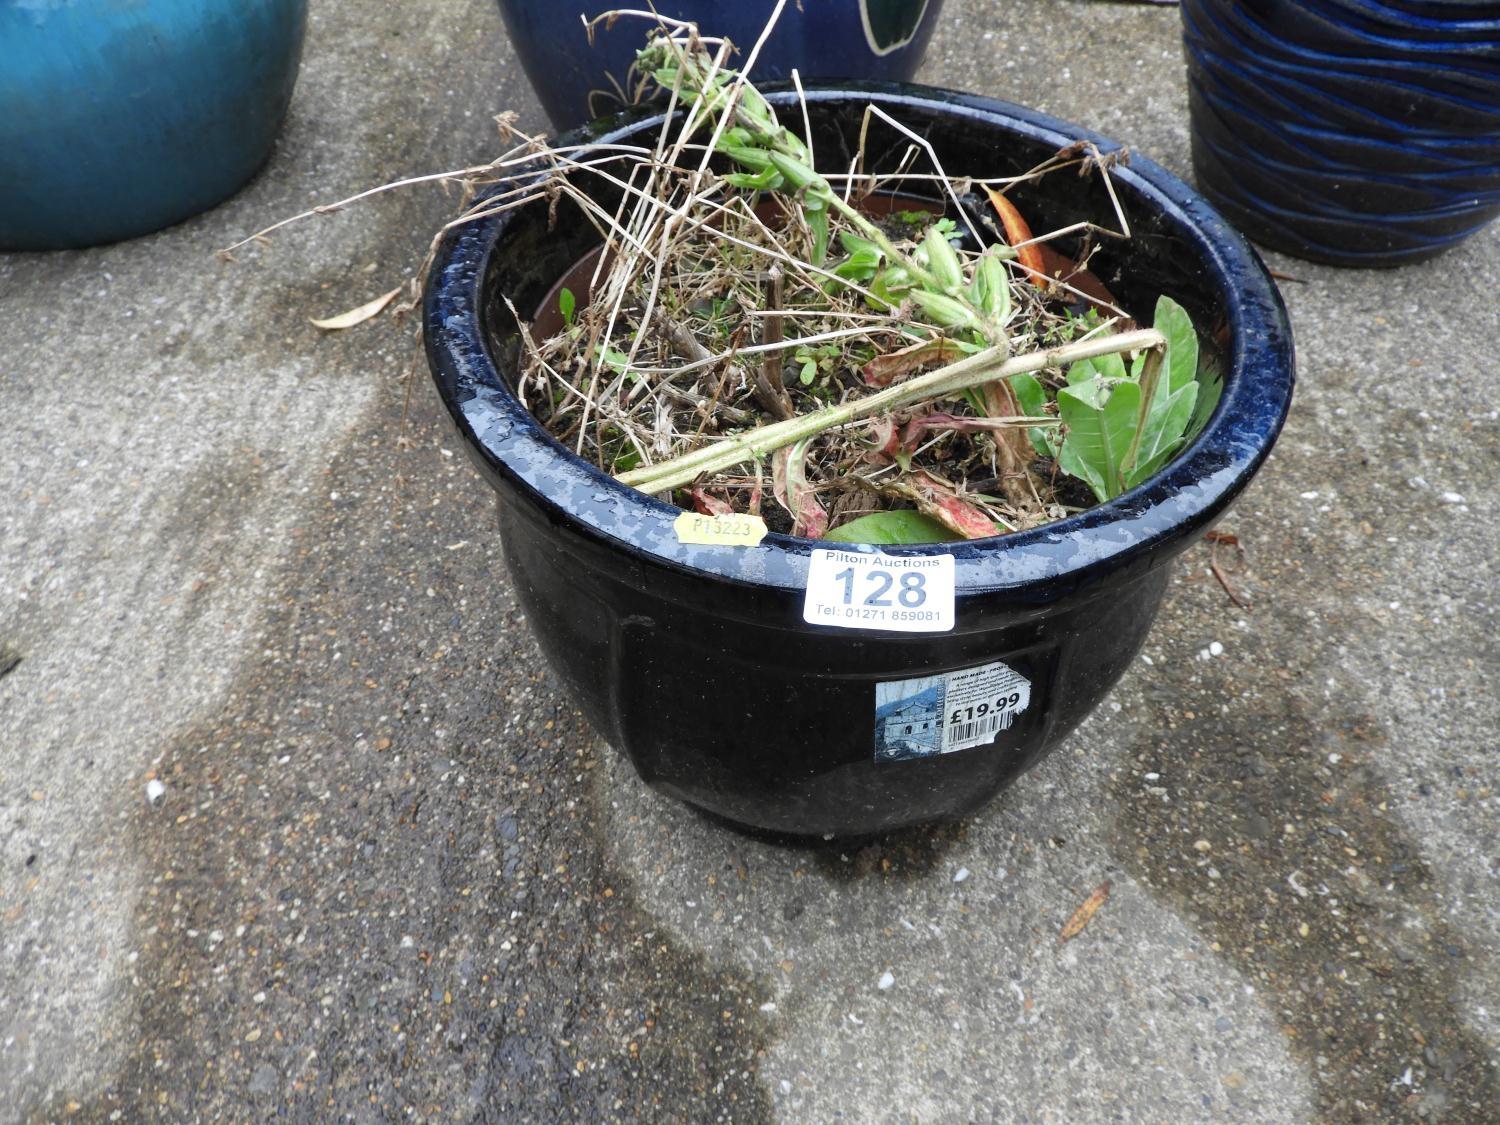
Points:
[119,117]
[577,81]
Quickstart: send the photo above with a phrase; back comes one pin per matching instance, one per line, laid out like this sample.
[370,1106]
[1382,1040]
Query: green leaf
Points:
[1111,366]
[859,265]
[769,180]
[751,102]
[1094,392]
[756,159]
[797,172]
[1081,372]
[1031,396]
[619,361]
[809,372]
[1174,391]
[1100,423]
[892,528]
[854,245]
[1070,462]
[1172,321]
[887,286]
[1151,467]
[817,220]
[1163,434]
[566,304]
[1210,387]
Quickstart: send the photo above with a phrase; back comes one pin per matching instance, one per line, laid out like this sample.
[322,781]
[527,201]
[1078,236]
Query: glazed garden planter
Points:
[696,662]
[1355,132]
[121,118]
[578,81]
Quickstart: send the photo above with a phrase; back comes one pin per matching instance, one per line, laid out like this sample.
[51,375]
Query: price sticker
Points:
[940,714]
[865,590]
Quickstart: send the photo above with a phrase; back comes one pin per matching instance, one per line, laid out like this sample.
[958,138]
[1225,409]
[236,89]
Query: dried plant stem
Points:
[685,344]
[706,406]
[768,385]
[1012,447]
[973,371]
[1150,376]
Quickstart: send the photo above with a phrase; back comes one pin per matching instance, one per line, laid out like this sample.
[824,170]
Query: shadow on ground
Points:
[415,918]
[1271,829]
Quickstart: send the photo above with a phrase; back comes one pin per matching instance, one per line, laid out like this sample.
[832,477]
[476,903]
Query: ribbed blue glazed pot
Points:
[577,81]
[118,118]
[1355,132]
[695,660]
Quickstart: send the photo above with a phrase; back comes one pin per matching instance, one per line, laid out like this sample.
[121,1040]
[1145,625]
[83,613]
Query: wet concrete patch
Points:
[372,883]
[1272,829]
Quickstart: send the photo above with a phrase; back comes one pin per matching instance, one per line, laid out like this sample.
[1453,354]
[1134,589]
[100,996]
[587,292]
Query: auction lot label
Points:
[868,590]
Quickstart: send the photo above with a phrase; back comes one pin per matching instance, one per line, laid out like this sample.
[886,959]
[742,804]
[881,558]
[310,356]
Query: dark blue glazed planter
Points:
[121,118]
[695,661]
[577,81]
[1355,132]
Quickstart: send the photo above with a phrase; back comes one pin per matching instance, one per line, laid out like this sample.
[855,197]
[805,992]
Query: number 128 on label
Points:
[859,590]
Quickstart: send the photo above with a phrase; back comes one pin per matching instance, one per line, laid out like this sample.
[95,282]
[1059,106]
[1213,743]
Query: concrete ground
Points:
[392,874]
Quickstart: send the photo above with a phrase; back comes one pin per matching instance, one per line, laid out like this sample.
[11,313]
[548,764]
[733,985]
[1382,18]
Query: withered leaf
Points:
[1017,230]
[357,315]
[1074,925]
[887,368]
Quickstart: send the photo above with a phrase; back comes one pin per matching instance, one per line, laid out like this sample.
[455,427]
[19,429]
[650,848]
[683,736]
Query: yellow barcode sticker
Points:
[735,530]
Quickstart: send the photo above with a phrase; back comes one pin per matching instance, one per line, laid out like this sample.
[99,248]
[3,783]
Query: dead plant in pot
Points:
[893,357]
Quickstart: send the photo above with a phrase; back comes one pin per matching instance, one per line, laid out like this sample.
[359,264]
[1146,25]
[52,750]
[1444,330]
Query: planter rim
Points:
[1147,525]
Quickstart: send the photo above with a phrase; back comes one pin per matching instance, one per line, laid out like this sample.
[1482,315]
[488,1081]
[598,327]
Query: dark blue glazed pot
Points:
[695,660]
[1355,132]
[577,81]
[121,118]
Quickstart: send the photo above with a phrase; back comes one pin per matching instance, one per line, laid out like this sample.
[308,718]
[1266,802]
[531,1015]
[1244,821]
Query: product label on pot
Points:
[939,714]
[734,529]
[869,590]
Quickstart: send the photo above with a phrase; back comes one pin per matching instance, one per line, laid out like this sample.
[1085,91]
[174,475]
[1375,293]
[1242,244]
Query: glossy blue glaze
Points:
[578,81]
[1357,132]
[695,661]
[119,117]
